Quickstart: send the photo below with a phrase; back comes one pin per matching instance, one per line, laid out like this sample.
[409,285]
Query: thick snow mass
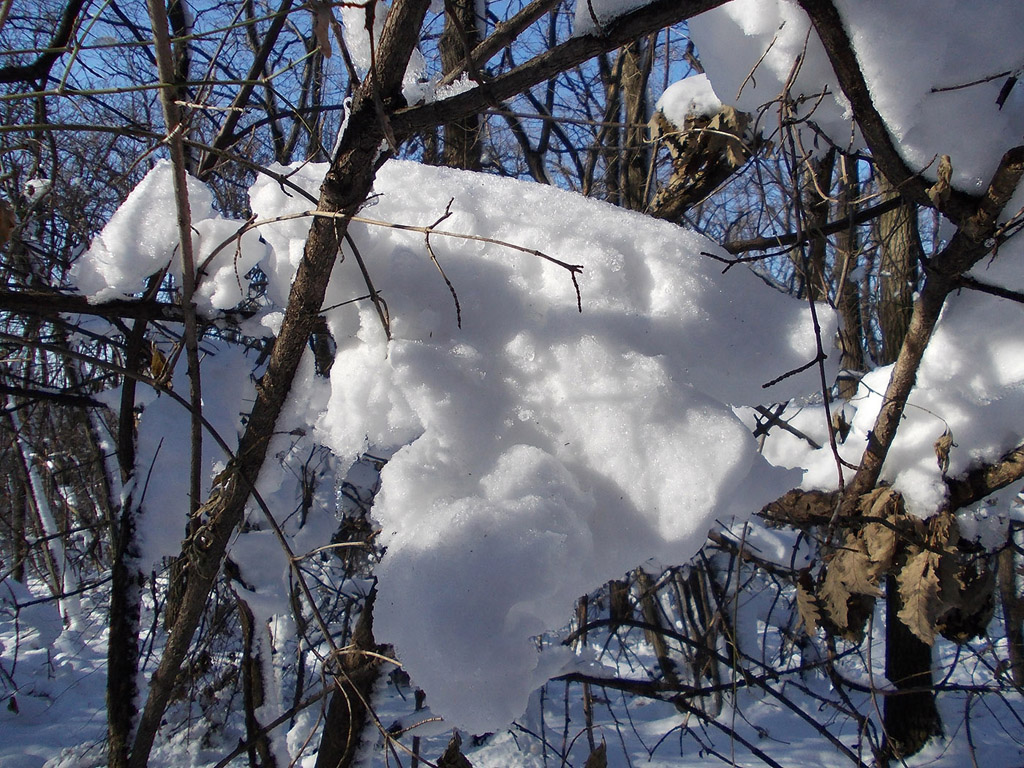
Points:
[934,69]
[536,451]
[141,238]
[971,384]
[688,98]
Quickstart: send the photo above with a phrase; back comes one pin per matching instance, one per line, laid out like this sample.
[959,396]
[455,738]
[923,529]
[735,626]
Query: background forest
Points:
[511,383]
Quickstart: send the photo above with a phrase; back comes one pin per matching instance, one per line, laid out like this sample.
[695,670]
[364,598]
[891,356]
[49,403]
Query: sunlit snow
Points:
[536,451]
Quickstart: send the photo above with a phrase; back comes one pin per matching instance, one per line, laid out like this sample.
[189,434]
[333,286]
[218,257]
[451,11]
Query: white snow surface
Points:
[906,50]
[687,98]
[592,15]
[537,451]
[971,383]
[141,238]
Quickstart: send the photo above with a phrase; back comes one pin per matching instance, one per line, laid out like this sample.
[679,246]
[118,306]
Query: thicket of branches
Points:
[94,93]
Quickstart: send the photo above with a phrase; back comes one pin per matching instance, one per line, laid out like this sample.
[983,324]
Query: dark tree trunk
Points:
[260,753]
[848,302]
[1013,610]
[900,245]
[346,714]
[462,147]
[910,716]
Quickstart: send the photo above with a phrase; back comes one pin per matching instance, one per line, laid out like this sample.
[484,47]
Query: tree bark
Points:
[910,716]
[900,246]
[356,674]
[345,187]
[462,147]
[848,300]
[1013,610]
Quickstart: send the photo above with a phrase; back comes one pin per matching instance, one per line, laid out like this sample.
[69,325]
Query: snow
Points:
[688,98]
[356,20]
[971,383]
[537,451]
[141,238]
[592,15]
[36,189]
[906,51]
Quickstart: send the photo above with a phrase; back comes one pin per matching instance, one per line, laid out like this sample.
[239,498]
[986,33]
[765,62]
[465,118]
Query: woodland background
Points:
[862,626]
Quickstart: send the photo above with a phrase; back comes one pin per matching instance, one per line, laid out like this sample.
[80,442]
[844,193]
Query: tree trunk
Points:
[900,245]
[813,258]
[652,615]
[909,718]
[462,147]
[349,705]
[636,155]
[260,753]
[1013,610]
[848,300]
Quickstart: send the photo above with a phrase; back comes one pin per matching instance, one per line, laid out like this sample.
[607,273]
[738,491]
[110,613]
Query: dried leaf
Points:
[8,221]
[599,757]
[883,502]
[840,426]
[942,446]
[921,593]
[971,608]
[939,191]
[848,590]
[158,366]
[322,19]
[852,565]
[807,603]
[943,531]
[880,541]
[881,538]
[800,508]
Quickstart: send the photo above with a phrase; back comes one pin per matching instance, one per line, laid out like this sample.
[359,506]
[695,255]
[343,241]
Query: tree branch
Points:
[624,29]
[40,68]
[828,23]
[986,479]
[796,239]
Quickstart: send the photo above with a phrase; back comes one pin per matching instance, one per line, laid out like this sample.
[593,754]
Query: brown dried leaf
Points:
[939,191]
[971,607]
[599,757]
[847,591]
[942,446]
[881,538]
[840,426]
[882,502]
[8,221]
[807,603]
[852,565]
[880,541]
[943,531]
[800,508]
[322,18]
[921,593]
[158,365]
